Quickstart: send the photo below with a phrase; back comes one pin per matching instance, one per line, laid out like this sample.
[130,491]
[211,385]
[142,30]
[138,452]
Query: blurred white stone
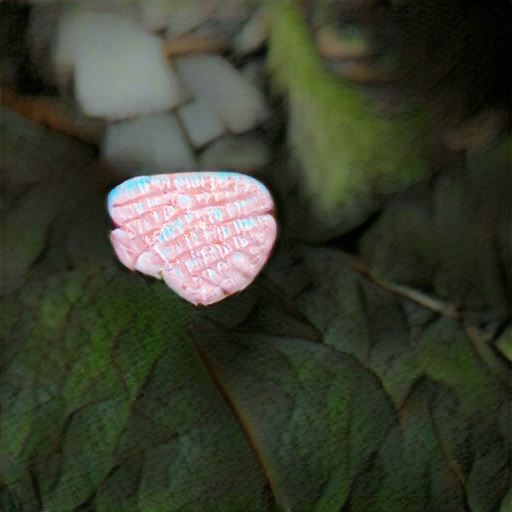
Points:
[154,140]
[253,34]
[155,14]
[200,122]
[120,70]
[239,104]
[246,151]
[73,27]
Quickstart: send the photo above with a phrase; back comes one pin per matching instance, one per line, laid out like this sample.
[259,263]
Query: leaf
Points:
[88,448]
[24,229]
[332,301]
[10,497]
[400,246]
[313,414]
[182,446]
[441,246]
[489,183]
[232,310]
[32,153]
[17,419]
[411,470]
[491,472]
[506,503]
[458,392]
[32,342]
[463,406]
[111,368]
[118,396]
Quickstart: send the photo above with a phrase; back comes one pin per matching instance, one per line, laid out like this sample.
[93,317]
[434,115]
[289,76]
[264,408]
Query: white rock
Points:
[200,122]
[239,104]
[120,70]
[155,140]
[246,151]
[253,33]
[52,43]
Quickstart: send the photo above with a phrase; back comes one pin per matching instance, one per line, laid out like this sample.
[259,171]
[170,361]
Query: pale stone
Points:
[70,31]
[200,122]
[253,34]
[120,70]
[154,140]
[239,104]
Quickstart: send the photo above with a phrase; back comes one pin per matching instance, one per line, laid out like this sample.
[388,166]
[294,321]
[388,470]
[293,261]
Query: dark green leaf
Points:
[313,414]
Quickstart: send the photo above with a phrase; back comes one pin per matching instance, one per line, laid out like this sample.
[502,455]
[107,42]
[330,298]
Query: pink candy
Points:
[207,234]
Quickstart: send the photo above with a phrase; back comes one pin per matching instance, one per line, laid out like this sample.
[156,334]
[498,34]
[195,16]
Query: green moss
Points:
[345,147]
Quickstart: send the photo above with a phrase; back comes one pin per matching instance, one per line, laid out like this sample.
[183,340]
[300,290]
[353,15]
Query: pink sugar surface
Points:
[207,234]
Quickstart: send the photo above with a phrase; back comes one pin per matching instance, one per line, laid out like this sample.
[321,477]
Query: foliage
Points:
[346,149]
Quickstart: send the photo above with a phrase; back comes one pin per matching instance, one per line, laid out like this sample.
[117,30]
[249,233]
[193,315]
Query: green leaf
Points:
[332,302]
[88,448]
[411,470]
[17,419]
[443,246]
[400,246]
[116,381]
[181,446]
[24,230]
[313,414]
[19,496]
[32,153]
[506,503]
[466,454]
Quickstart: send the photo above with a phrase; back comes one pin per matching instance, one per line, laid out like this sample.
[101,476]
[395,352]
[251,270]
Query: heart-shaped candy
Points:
[207,234]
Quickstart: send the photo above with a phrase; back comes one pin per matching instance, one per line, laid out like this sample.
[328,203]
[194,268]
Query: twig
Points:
[417,296]
[421,298]
[53,113]
[192,43]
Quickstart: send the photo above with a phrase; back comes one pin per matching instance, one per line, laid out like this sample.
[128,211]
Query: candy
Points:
[206,234]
